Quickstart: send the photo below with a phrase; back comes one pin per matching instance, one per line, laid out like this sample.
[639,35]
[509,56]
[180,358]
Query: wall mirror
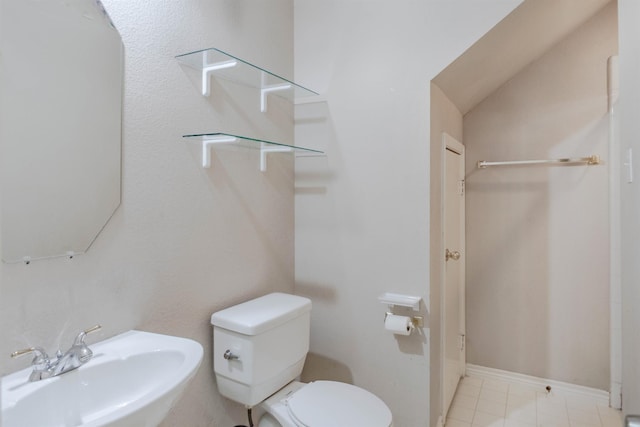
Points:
[61,79]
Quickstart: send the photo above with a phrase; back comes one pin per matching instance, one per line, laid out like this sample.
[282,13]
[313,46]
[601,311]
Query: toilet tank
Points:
[270,338]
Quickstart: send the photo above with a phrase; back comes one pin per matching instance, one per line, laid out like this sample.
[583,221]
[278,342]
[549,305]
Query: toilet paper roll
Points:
[400,325]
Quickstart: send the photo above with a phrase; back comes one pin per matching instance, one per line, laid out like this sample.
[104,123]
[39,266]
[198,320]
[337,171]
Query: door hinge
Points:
[461,187]
[462,342]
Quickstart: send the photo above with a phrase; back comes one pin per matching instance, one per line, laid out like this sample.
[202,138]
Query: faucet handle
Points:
[80,338]
[80,349]
[40,358]
[92,329]
[41,363]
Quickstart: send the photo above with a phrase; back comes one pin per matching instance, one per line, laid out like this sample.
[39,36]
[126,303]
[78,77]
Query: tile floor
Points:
[490,403]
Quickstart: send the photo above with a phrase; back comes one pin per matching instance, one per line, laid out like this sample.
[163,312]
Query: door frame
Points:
[451,144]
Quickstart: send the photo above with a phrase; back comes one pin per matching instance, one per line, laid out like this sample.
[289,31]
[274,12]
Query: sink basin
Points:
[132,380]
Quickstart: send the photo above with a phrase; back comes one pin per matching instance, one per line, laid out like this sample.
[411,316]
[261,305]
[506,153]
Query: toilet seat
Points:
[335,404]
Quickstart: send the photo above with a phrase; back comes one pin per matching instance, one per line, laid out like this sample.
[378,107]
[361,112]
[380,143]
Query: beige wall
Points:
[537,237]
[186,241]
[445,117]
[362,213]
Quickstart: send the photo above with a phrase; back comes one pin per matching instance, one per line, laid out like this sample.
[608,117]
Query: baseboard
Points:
[558,387]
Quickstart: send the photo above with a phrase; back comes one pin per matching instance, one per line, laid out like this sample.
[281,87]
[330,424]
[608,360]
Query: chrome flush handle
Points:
[228,355]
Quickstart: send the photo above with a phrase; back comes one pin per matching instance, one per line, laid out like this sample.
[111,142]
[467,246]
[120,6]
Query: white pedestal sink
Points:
[132,380]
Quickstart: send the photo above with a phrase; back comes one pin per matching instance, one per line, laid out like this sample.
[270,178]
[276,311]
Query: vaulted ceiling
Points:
[519,39]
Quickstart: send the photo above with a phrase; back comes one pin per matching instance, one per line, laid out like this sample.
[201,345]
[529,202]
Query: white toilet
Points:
[259,348]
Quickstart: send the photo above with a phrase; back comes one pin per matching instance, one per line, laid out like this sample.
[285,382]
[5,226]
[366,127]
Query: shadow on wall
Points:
[318,367]
[316,292]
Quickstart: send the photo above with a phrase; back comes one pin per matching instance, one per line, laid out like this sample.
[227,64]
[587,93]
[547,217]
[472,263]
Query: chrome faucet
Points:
[44,367]
[41,363]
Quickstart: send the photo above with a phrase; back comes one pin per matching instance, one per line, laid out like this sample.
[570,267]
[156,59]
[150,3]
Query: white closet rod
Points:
[591,160]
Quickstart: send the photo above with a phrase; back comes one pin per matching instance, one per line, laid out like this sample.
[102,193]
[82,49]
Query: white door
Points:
[453,329]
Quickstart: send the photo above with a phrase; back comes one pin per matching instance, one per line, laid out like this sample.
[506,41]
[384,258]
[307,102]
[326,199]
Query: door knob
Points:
[455,255]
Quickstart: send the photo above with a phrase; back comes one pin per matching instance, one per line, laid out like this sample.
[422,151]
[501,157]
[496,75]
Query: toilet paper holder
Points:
[417,321]
[393,299]
[406,301]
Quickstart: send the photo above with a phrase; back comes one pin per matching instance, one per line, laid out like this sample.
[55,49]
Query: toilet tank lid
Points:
[261,314]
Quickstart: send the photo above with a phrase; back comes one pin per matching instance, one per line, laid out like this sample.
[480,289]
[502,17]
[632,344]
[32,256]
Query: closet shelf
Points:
[209,140]
[215,62]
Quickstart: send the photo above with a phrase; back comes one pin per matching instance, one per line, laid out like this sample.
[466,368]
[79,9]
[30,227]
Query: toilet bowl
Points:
[324,404]
[259,349]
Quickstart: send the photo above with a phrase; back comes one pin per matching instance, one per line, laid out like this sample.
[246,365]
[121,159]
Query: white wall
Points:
[362,214]
[538,237]
[628,11]
[186,241]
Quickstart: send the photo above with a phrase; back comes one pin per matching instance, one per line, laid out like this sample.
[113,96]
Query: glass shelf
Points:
[223,65]
[209,140]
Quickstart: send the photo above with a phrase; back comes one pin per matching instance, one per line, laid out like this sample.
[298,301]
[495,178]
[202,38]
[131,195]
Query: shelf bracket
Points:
[268,89]
[263,155]
[208,142]
[207,70]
